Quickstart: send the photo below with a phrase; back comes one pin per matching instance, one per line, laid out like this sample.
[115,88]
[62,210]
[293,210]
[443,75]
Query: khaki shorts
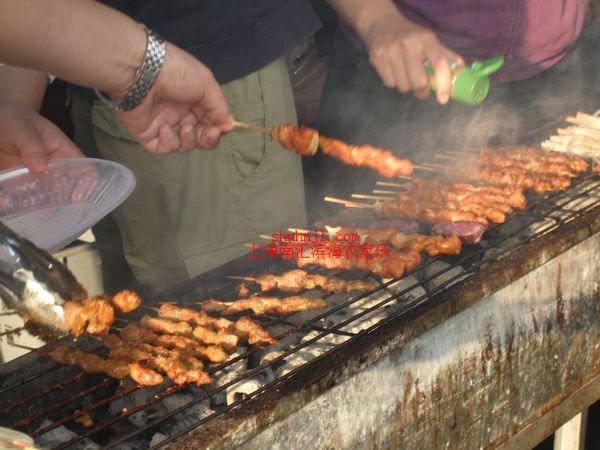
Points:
[194,211]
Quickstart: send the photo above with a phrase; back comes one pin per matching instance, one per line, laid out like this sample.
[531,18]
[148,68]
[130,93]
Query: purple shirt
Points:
[532,35]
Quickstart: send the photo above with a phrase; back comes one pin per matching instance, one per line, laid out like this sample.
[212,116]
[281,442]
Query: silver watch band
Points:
[145,77]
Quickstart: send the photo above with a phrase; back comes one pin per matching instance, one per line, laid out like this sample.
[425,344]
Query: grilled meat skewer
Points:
[390,265]
[432,214]
[204,335]
[264,305]
[298,280]
[305,141]
[432,245]
[177,371]
[243,327]
[114,368]
[211,353]
[528,154]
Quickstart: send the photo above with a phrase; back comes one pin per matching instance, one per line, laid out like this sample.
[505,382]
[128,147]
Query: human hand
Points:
[28,138]
[398,49]
[185,108]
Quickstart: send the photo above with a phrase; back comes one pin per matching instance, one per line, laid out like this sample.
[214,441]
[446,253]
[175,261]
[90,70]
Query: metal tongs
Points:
[35,285]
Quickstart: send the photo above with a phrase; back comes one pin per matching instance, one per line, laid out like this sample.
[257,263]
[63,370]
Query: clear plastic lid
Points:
[53,208]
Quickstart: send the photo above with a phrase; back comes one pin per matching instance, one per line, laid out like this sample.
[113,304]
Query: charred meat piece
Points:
[264,305]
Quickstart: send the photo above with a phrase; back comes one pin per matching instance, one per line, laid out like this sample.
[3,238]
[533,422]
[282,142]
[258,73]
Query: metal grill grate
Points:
[39,397]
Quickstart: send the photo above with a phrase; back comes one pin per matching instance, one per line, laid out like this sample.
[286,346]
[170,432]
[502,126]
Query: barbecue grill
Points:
[331,372]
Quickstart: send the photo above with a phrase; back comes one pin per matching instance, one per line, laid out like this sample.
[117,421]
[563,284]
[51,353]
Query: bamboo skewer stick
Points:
[371,197]
[435,166]
[250,127]
[380,191]
[26,347]
[247,279]
[453,158]
[16,330]
[427,168]
[390,184]
[348,203]
[299,230]
[402,177]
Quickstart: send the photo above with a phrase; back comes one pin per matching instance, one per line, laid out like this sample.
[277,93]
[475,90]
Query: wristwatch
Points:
[145,76]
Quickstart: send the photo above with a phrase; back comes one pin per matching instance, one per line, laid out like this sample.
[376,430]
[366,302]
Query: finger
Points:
[441,71]
[213,104]
[384,70]
[59,145]
[188,137]
[30,144]
[168,139]
[207,137]
[400,74]
[417,77]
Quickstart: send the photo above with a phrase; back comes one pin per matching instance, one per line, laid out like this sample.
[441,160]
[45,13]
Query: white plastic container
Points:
[53,208]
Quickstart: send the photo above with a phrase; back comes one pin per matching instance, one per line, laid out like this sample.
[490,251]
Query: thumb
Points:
[32,149]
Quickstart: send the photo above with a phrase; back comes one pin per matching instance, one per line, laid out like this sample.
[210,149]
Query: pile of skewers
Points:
[581,138]
[178,342]
[497,182]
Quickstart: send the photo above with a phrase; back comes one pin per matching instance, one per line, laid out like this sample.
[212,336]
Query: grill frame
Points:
[413,319]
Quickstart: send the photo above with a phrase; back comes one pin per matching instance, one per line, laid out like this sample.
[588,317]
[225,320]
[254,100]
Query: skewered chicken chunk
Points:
[126,301]
[264,305]
[93,315]
[432,245]
[204,335]
[243,327]
[115,368]
[212,353]
[298,280]
[305,141]
[391,265]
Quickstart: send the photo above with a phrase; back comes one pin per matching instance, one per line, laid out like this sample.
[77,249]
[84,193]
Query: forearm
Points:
[361,15]
[23,87]
[81,41]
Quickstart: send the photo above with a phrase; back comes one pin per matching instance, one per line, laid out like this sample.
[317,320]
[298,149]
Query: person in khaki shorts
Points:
[193,211]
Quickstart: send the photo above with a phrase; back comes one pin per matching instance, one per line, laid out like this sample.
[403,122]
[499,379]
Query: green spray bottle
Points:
[470,84]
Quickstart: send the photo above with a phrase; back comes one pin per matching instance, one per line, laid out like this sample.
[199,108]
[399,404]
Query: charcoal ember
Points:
[61,435]
[468,232]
